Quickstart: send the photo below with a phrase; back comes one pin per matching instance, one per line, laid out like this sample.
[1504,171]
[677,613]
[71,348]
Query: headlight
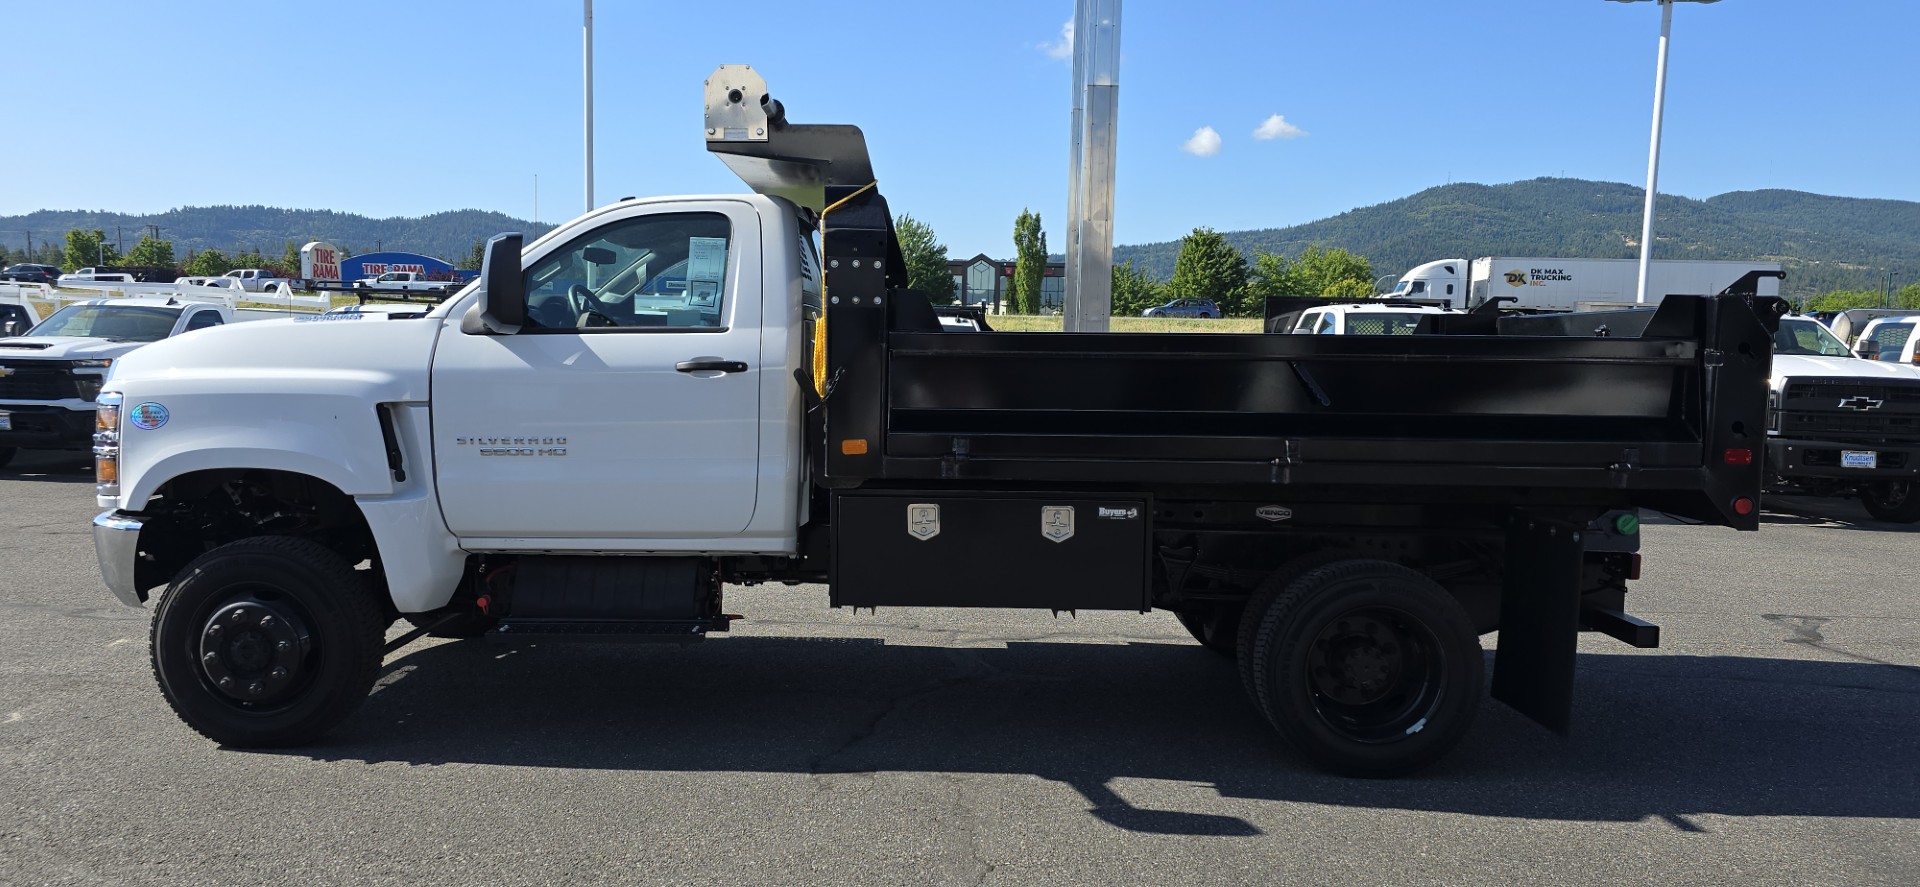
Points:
[1773,411]
[101,362]
[106,444]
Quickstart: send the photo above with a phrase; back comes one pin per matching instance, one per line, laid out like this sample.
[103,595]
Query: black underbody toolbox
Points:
[1060,552]
[634,597]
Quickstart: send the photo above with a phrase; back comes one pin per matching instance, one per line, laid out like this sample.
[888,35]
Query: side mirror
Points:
[502,309]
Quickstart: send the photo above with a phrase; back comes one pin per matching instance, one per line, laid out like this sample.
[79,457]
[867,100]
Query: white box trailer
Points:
[1550,284]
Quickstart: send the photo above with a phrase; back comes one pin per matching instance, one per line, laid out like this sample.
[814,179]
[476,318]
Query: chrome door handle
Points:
[711,365]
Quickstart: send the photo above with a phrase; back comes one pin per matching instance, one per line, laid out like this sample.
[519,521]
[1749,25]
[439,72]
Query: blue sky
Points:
[416,106]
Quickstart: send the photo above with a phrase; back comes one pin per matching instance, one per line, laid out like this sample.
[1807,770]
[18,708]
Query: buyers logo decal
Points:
[149,415]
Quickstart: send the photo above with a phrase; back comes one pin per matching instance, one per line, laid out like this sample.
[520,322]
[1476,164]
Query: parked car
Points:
[30,272]
[1889,339]
[1184,308]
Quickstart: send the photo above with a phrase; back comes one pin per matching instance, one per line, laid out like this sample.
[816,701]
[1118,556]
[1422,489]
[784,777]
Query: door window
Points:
[203,319]
[1325,328]
[648,273]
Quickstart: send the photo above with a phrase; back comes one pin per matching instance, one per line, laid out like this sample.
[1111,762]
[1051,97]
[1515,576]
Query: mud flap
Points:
[1539,621]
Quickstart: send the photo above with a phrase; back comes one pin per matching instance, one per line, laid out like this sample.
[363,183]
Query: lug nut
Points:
[266,620]
[256,688]
[238,615]
[210,658]
[282,646]
[213,629]
[226,683]
[278,674]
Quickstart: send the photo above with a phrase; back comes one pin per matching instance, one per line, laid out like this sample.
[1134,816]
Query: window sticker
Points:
[706,266]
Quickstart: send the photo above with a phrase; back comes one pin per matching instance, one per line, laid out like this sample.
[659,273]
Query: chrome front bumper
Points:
[116,541]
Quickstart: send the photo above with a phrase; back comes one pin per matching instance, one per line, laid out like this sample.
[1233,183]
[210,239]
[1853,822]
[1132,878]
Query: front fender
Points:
[331,437]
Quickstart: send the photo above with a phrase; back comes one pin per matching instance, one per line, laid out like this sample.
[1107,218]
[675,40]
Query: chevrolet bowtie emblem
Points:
[1861,403]
[5,372]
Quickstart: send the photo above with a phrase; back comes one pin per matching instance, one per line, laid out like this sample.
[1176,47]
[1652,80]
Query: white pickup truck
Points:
[1842,425]
[407,280]
[50,376]
[257,280]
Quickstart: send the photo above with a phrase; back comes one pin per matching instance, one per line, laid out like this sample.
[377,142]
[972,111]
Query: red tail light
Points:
[1739,457]
[1743,506]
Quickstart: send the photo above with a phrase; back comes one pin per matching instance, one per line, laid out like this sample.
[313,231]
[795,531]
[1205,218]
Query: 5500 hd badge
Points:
[515,446]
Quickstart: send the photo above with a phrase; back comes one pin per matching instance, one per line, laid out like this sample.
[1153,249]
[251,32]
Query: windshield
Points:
[1807,337]
[1382,323]
[125,323]
[1400,287]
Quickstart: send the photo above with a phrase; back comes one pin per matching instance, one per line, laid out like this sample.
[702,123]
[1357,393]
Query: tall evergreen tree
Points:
[926,259]
[1030,265]
[1210,268]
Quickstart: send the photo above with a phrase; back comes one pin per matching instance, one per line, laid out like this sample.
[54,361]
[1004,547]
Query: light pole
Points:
[587,42]
[1376,282]
[1653,148]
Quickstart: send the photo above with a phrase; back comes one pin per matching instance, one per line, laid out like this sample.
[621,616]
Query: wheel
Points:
[1216,626]
[7,454]
[1893,501]
[266,642]
[1367,668]
[1156,313]
[1262,598]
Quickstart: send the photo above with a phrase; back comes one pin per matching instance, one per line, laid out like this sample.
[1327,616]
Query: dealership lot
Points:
[1772,740]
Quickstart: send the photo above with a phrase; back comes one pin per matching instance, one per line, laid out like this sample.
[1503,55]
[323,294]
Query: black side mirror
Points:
[502,309]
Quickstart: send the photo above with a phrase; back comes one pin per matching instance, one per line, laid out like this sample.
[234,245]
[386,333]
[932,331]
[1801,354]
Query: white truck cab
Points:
[1840,425]
[1364,319]
[1889,339]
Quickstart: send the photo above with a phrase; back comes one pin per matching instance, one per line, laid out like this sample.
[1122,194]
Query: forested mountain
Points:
[1826,243]
[235,229]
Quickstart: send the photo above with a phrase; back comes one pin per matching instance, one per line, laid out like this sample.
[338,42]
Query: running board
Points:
[630,630]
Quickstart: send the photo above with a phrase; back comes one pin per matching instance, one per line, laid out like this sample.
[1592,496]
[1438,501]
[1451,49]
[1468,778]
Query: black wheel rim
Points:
[1375,674]
[253,648]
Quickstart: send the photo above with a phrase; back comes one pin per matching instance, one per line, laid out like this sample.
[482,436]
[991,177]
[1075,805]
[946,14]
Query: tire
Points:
[1263,598]
[1894,501]
[287,680]
[1216,626]
[1367,668]
[7,454]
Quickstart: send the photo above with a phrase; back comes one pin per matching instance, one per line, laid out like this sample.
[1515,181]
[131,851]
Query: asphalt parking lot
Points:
[1773,740]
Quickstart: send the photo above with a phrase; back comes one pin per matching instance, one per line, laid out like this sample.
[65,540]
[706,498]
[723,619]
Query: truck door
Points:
[628,406]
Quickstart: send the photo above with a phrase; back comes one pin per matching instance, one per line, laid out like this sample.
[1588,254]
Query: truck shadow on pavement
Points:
[1655,736]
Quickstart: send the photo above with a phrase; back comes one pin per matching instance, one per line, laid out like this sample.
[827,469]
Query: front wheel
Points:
[267,642]
[1367,667]
[1894,501]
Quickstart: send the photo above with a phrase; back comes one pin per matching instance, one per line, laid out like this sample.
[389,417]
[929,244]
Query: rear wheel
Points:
[1894,501]
[1367,667]
[267,642]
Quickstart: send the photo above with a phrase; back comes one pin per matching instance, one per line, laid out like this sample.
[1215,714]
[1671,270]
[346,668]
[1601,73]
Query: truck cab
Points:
[1889,339]
[1843,425]
[1443,279]
[1365,319]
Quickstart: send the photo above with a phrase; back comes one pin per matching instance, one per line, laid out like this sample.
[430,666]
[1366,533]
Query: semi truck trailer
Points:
[668,397]
[1546,284]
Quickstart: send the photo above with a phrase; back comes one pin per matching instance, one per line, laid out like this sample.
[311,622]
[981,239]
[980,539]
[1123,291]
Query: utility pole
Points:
[587,42]
[119,242]
[1096,107]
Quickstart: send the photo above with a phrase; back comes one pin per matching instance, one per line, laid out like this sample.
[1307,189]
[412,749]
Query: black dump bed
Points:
[1672,418]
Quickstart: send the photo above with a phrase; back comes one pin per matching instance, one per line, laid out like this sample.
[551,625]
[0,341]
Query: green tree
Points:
[926,259]
[1030,262]
[1134,291]
[476,257]
[87,249]
[1841,300]
[1348,288]
[1317,270]
[1269,277]
[209,263]
[290,259]
[151,252]
[1907,297]
[1210,268]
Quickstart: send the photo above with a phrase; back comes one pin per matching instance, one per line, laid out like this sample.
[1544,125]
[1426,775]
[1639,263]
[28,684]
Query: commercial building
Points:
[985,281]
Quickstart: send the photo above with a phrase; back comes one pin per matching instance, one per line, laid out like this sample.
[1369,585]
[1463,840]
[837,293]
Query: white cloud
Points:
[1277,127]
[1064,48]
[1205,143]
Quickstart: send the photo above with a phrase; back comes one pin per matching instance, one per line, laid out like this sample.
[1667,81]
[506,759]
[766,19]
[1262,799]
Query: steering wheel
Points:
[582,300]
